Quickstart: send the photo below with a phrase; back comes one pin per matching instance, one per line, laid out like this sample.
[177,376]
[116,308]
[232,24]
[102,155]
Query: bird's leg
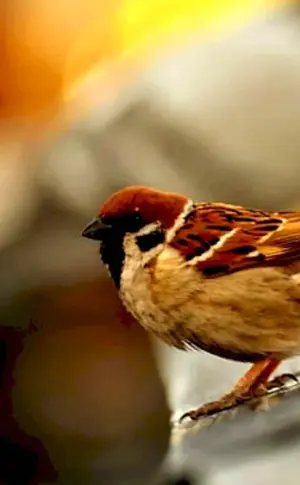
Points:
[251,385]
[261,383]
[279,381]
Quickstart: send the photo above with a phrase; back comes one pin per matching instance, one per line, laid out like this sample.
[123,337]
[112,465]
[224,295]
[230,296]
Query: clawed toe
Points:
[281,381]
[226,403]
[192,415]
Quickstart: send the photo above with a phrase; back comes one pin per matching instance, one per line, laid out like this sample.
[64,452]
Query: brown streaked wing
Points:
[200,240]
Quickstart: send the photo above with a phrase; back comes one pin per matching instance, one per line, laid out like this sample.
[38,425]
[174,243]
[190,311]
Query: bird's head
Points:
[129,211]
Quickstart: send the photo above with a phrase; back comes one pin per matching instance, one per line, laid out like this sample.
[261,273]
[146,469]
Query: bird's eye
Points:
[133,221]
[130,222]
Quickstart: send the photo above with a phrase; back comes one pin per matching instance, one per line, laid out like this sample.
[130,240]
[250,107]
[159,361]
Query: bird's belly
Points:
[244,316]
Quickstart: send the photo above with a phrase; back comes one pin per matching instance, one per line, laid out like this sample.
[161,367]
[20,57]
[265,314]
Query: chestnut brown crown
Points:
[153,205]
[131,208]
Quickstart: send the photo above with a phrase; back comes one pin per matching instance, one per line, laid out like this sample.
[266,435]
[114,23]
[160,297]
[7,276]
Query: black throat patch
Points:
[112,249]
[112,255]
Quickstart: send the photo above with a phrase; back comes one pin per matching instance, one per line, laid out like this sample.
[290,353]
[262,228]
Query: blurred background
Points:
[184,96]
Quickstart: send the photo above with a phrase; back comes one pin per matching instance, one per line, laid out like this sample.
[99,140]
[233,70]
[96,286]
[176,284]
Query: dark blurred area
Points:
[86,396]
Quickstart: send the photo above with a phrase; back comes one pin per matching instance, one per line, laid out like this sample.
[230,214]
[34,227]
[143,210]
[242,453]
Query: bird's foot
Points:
[226,403]
[252,397]
[280,381]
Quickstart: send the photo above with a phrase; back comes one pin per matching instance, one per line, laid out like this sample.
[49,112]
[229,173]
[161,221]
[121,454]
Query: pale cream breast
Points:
[255,311]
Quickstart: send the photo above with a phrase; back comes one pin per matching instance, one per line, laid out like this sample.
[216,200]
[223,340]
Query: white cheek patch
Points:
[133,252]
[148,229]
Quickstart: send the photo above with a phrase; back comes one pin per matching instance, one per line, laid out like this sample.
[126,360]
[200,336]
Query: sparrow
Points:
[210,276]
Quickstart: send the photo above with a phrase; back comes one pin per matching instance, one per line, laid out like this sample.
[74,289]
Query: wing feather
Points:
[220,239]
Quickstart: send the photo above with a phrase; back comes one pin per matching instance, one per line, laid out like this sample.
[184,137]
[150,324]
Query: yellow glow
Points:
[81,51]
[143,28]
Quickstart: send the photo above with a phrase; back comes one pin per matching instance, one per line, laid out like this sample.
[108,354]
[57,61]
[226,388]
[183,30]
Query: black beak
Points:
[95,229]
